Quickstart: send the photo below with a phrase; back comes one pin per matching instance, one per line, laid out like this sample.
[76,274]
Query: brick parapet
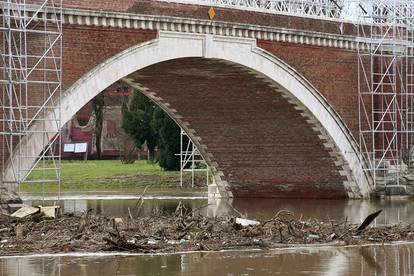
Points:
[162,16]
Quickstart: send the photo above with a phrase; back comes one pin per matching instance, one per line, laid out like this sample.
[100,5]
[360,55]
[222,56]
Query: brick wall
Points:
[238,16]
[103,5]
[86,47]
[334,72]
[152,7]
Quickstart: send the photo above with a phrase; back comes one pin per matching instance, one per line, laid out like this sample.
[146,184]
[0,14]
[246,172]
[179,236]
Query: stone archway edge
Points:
[243,51]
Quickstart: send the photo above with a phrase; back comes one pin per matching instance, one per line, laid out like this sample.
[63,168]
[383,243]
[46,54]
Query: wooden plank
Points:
[25,211]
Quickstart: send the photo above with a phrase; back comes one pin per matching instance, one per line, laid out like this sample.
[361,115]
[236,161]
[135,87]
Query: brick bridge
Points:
[270,100]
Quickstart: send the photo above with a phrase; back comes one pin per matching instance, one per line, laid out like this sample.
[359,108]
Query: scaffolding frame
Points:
[385,87]
[191,159]
[31,80]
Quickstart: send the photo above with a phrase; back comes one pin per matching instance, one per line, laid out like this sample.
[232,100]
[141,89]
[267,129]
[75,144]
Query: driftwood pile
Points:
[185,230]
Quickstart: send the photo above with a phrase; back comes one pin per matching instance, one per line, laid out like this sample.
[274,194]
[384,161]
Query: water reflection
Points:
[119,207]
[372,260]
[355,211]
[394,211]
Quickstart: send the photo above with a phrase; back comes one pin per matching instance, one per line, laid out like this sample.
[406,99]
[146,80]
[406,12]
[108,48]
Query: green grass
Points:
[103,175]
[79,170]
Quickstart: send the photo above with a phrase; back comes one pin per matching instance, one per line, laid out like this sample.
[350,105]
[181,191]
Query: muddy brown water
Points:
[366,260]
[354,211]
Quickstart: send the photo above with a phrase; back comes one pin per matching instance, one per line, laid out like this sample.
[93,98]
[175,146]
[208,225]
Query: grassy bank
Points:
[105,175]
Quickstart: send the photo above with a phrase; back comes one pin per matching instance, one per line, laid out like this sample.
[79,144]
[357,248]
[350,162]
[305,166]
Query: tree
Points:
[98,105]
[168,134]
[136,121]
[147,123]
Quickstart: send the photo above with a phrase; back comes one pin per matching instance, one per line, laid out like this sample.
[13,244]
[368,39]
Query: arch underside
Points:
[265,143]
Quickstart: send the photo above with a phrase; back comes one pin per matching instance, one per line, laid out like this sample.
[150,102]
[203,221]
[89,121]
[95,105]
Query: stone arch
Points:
[244,52]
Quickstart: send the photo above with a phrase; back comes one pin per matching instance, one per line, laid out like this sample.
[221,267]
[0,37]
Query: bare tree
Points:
[98,105]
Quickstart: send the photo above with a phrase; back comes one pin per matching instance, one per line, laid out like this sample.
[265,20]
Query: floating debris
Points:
[246,222]
[25,211]
[183,230]
[49,211]
[367,221]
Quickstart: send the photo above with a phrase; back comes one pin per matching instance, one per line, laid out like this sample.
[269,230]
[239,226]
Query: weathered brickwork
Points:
[239,16]
[86,47]
[151,7]
[262,142]
[332,71]
[102,5]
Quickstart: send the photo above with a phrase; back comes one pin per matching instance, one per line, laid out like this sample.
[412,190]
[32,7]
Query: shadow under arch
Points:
[244,52]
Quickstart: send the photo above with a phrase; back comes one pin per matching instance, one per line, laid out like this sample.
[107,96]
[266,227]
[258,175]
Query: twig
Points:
[237,211]
[141,200]
[129,213]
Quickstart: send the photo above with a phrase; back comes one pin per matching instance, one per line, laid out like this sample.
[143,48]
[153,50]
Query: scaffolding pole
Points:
[385,95]
[31,65]
[191,160]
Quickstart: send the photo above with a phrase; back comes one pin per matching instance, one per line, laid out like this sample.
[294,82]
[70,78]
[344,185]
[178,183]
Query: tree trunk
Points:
[98,104]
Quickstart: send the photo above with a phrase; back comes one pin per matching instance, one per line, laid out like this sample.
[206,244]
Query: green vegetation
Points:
[78,170]
[137,122]
[105,176]
[168,134]
[147,123]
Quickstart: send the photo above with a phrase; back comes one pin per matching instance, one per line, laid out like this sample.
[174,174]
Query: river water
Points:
[355,211]
[367,260]
[396,259]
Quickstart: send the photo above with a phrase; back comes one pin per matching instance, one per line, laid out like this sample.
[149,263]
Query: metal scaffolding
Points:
[385,81]
[191,159]
[31,65]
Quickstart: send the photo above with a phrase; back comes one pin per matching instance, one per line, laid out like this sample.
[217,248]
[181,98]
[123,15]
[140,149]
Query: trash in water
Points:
[246,222]
[49,211]
[152,241]
[118,221]
[25,211]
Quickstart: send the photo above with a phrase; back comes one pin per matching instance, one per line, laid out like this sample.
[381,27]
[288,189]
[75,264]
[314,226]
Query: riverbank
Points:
[109,175]
[181,231]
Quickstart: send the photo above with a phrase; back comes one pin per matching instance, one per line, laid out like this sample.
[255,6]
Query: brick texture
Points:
[261,142]
[103,5]
[334,72]
[152,7]
[86,47]
[239,16]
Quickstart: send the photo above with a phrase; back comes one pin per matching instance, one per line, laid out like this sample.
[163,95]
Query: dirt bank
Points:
[182,231]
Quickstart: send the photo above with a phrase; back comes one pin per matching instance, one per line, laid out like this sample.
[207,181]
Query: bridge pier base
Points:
[213,191]
[396,190]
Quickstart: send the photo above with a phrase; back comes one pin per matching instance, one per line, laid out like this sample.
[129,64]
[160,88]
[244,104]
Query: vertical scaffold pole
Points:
[385,96]
[31,61]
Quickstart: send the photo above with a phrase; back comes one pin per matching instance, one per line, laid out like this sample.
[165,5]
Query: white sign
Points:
[69,148]
[81,147]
